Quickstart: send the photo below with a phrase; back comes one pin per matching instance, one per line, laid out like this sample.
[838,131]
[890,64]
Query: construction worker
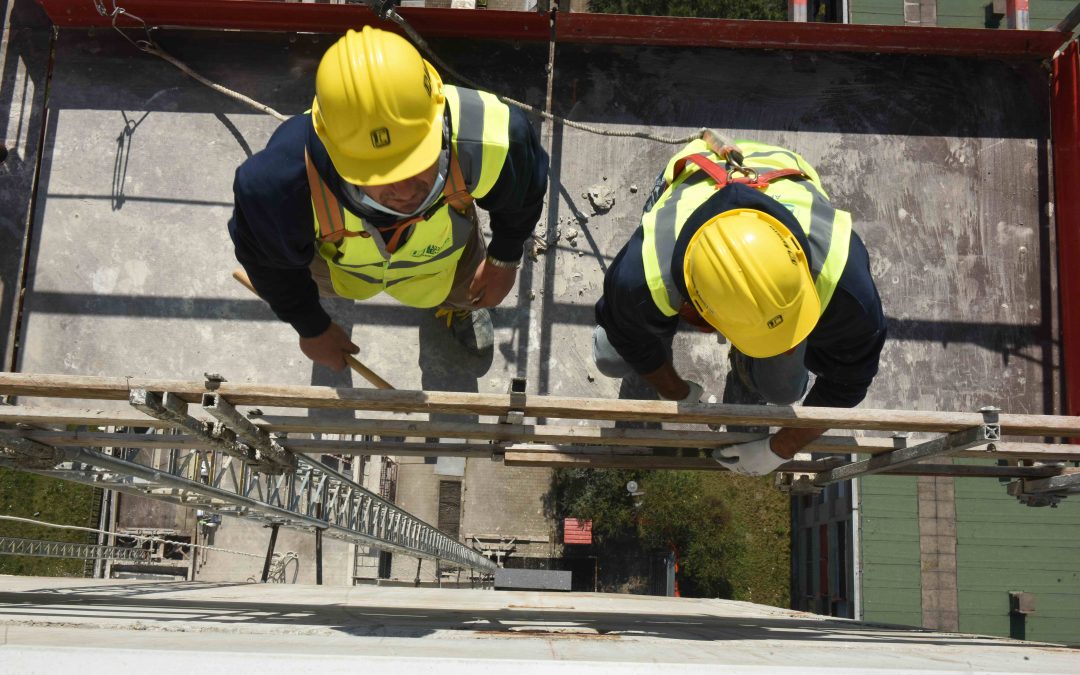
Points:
[760,255]
[373,190]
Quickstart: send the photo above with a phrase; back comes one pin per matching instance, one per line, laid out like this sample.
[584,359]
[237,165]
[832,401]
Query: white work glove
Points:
[696,390]
[753,458]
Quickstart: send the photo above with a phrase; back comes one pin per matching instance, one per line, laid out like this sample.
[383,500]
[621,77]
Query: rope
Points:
[130,536]
[384,11]
[158,51]
[443,67]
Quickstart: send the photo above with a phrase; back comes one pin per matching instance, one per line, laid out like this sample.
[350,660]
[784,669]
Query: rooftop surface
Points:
[218,627]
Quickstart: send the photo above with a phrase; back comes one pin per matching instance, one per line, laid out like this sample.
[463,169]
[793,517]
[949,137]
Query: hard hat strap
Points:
[455,194]
[331,218]
[330,215]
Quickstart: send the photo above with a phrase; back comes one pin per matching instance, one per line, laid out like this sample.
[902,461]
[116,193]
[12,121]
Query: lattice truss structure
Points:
[189,444]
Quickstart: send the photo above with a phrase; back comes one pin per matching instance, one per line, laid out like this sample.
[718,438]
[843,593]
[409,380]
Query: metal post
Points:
[1017,14]
[416,581]
[318,547]
[797,10]
[270,551]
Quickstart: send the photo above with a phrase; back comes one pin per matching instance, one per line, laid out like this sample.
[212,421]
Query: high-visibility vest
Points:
[418,270]
[828,229]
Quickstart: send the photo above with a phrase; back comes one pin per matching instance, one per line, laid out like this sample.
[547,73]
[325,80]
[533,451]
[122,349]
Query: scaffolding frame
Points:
[258,467]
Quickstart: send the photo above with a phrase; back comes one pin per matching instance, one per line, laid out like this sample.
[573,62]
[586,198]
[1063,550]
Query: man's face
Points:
[405,196]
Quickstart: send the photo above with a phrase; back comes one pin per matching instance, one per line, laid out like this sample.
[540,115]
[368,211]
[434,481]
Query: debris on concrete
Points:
[633,189]
[601,197]
[571,235]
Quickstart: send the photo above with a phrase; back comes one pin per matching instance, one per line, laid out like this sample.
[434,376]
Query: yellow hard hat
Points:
[378,108]
[749,278]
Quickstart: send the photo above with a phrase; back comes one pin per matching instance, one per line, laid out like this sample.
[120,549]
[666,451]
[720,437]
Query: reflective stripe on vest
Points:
[419,272]
[827,229]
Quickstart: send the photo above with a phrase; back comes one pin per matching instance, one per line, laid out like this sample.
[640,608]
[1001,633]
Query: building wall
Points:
[957,13]
[1004,546]
[889,538]
[1001,546]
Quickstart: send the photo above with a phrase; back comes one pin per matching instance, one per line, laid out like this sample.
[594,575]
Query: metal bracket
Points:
[213,380]
[797,484]
[991,426]
[267,450]
[516,414]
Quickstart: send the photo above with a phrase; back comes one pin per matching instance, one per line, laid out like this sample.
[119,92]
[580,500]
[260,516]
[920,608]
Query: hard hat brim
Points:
[784,337]
[393,168]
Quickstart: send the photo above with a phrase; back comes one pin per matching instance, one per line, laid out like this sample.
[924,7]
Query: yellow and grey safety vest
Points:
[828,229]
[418,271]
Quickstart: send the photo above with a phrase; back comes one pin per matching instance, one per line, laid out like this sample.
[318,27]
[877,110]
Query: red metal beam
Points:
[264,15]
[828,37]
[1065,137]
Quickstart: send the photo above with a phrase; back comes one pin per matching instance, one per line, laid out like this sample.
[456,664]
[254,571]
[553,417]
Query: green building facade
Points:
[952,554]
[1042,14]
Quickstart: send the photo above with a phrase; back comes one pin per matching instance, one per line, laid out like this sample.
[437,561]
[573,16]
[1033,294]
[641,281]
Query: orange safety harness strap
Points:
[330,213]
[723,177]
[455,193]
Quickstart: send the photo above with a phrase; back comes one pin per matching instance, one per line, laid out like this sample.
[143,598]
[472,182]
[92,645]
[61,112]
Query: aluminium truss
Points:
[66,549]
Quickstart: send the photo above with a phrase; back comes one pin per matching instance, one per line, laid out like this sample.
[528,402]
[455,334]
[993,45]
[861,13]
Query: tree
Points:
[773,10]
[731,532]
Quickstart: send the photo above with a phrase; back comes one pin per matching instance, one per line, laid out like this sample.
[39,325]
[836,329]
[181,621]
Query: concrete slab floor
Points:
[941,162]
[280,628]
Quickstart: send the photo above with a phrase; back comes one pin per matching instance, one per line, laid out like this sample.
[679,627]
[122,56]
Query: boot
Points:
[472,329]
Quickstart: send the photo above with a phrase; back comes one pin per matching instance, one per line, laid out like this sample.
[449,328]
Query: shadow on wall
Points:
[25,66]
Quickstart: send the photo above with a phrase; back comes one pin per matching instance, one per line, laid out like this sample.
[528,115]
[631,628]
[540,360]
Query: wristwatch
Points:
[503,264]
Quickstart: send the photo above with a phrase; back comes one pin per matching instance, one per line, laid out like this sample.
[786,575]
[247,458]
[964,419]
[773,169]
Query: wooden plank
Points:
[581,453]
[19,384]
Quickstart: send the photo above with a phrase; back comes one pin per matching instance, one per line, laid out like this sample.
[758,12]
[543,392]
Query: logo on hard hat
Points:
[380,137]
[775,321]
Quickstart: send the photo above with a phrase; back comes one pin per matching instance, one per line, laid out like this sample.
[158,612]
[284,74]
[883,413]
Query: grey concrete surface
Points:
[94,626]
[943,163]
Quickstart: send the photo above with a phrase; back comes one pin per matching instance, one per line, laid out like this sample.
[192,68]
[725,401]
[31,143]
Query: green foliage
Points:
[732,533]
[55,501]
[773,10]
[599,496]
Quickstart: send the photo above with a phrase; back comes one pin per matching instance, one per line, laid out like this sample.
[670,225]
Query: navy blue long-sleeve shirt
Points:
[273,229]
[843,349]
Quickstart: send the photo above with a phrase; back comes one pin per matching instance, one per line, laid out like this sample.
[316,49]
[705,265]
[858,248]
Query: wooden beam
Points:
[18,414]
[19,384]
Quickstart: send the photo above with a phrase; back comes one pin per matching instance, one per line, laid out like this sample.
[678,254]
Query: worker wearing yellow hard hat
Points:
[375,190]
[743,240]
